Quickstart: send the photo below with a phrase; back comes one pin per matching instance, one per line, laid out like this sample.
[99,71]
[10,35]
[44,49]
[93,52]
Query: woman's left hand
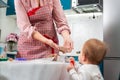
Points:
[68,44]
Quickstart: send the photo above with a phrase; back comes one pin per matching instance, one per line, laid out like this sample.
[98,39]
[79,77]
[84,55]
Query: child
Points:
[92,54]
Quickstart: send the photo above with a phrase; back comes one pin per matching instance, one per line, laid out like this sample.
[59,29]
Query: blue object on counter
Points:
[1,50]
[75,57]
[66,4]
[21,59]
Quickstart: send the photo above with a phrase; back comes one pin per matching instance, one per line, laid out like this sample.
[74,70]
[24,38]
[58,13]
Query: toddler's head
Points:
[93,52]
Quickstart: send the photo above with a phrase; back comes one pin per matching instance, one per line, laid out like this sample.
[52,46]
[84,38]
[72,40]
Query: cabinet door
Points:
[10,10]
[112,69]
[66,4]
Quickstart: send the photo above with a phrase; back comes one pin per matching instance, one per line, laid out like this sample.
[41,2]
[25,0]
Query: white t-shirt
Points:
[86,72]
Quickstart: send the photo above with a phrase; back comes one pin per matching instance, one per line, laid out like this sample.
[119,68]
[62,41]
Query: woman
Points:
[38,38]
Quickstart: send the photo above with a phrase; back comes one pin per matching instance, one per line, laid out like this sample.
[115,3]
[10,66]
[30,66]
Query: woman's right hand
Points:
[52,44]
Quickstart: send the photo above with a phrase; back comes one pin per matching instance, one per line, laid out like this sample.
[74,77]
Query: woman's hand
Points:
[68,44]
[52,44]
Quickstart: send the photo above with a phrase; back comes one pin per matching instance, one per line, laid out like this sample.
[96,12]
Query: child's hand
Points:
[71,65]
[72,61]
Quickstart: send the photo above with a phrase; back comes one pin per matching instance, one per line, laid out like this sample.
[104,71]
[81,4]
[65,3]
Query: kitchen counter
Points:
[33,70]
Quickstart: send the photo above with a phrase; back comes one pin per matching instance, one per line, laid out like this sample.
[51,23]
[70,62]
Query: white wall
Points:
[7,24]
[84,27]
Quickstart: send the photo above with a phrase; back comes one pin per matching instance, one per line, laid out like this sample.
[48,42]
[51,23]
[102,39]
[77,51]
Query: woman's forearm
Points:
[36,35]
[65,34]
[68,43]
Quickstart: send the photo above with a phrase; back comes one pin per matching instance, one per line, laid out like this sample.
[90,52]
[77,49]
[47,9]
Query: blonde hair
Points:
[94,50]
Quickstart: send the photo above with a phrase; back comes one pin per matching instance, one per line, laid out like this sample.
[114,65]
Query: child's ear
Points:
[84,58]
